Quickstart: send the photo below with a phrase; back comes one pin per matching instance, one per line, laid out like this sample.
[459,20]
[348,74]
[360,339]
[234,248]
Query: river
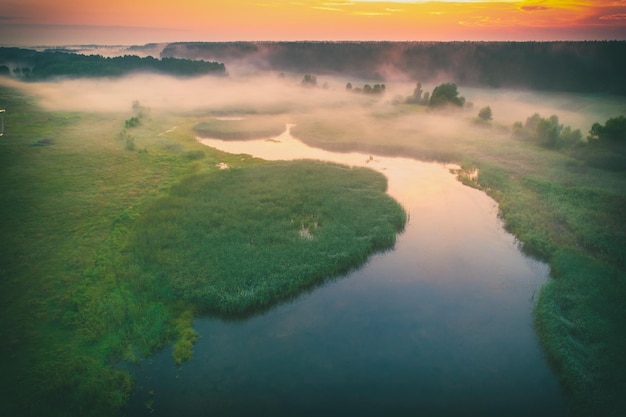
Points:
[439,326]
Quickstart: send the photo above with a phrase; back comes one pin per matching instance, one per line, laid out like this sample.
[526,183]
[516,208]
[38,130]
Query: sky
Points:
[128,22]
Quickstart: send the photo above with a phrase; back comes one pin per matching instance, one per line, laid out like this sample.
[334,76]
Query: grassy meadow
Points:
[119,228]
[239,128]
[263,233]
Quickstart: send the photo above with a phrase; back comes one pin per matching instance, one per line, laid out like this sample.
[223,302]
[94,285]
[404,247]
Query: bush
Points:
[194,155]
[614,130]
[309,81]
[445,94]
[132,122]
[485,114]
[130,143]
[547,132]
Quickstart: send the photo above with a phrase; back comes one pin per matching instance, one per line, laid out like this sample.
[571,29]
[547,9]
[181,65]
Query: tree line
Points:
[32,65]
[604,147]
[590,66]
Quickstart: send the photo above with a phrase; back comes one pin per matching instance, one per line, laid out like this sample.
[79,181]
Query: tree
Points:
[548,132]
[445,94]
[132,122]
[367,89]
[531,123]
[539,129]
[309,80]
[485,114]
[570,137]
[518,129]
[595,132]
[614,130]
[416,98]
[417,93]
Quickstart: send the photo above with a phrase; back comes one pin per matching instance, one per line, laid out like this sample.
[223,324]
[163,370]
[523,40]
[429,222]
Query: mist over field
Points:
[140,235]
[280,93]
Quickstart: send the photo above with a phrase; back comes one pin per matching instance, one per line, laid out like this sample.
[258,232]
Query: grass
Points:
[248,127]
[64,210]
[580,317]
[238,247]
[563,210]
[109,251]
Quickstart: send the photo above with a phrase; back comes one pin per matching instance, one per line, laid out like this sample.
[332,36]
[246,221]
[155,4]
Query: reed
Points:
[108,252]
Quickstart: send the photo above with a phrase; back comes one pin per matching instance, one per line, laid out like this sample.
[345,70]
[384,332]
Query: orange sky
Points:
[141,21]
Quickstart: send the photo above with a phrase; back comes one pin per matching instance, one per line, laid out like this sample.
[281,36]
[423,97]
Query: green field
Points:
[249,127]
[116,234]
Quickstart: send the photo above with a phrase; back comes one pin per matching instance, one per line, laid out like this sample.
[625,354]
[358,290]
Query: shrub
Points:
[485,114]
[547,132]
[445,94]
[132,122]
[613,130]
[130,143]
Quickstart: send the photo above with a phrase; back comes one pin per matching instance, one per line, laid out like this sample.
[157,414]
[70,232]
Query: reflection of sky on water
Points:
[439,326]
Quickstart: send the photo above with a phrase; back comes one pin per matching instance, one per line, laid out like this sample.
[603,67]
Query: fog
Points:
[273,93]
[136,159]
[167,93]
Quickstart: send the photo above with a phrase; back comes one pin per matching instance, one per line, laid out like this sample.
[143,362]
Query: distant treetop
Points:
[614,130]
[587,66]
[444,94]
[32,65]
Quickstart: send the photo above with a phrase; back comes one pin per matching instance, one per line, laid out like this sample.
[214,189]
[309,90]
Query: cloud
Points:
[371,13]
[608,17]
[330,9]
[481,21]
[616,16]
[436,1]
[535,8]
[10,18]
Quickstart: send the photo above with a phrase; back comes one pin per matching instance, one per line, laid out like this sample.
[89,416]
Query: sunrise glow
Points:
[27,21]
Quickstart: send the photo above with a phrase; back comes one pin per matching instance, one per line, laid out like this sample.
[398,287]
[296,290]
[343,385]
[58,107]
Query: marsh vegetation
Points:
[241,127]
[127,244]
[124,228]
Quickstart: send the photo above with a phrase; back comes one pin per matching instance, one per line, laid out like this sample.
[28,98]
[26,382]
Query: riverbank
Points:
[86,214]
[561,211]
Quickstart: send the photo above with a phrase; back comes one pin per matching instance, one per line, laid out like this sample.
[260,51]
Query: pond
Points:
[441,325]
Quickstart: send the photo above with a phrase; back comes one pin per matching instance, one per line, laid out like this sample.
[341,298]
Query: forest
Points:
[548,66]
[30,65]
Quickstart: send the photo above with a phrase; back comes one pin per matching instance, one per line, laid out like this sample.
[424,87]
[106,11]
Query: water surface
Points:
[439,326]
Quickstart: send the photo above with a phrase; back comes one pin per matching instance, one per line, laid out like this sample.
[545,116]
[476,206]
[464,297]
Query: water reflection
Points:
[439,326]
